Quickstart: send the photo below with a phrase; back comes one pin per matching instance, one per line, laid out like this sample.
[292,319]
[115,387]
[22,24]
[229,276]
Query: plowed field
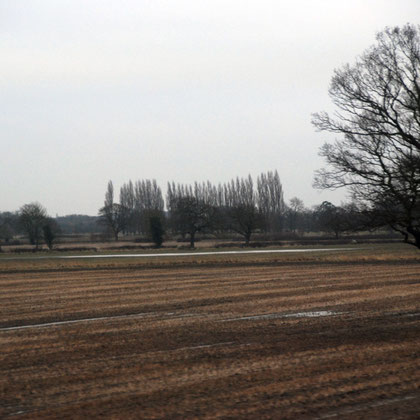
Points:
[266,339]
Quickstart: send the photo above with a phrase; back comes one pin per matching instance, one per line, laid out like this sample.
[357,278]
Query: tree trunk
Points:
[416,242]
[247,238]
[192,240]
[416,235]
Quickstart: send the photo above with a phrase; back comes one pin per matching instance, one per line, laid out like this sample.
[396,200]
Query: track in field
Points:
[181,254]
[289,341]
[170,315]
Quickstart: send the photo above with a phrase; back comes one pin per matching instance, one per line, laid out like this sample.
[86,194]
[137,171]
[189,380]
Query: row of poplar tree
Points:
[240,205]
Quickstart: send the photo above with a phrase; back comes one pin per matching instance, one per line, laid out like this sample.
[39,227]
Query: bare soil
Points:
[264,337]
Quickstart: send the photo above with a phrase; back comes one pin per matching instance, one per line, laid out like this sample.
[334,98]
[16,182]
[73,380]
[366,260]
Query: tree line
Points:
[241,206]
[32,220]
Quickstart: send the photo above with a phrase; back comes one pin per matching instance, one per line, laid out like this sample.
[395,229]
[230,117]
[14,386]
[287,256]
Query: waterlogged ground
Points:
[260,338]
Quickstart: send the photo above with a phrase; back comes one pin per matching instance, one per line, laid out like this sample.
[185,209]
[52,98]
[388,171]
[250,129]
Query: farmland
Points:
[320,335]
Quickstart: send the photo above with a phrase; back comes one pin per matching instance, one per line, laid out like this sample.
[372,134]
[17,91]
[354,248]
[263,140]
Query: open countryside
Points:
[163,251]
[319,335]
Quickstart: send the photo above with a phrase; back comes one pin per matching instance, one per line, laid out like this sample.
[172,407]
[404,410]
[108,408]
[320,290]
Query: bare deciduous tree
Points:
[113,215]
[378,158]
[9,225]
[50,230]
[243,215]
[331,218]
[32,218]
[270,200]
[193,216]
[148,203]
[295,213]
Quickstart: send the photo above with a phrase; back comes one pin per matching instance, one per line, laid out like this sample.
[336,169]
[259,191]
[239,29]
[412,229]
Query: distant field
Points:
[323,335]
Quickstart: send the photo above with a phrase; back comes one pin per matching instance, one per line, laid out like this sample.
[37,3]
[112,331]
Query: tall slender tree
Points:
[113,215]
[270,200]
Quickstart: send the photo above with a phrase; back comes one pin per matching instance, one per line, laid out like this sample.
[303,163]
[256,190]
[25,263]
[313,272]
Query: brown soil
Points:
[263,340]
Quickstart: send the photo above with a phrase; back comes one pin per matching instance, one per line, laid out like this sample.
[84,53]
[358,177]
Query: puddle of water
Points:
[413,314]
[315,314]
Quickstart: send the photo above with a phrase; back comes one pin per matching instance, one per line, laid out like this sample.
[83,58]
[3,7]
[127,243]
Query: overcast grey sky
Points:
[183,90]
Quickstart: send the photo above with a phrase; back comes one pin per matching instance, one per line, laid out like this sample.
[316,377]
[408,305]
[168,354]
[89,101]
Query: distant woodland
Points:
[242,210]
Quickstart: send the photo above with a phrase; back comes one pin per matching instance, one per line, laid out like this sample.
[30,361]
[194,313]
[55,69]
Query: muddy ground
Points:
[266,339]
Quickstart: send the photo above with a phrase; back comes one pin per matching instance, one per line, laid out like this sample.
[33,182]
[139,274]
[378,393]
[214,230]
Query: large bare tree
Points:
[378,115]
[190,209]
